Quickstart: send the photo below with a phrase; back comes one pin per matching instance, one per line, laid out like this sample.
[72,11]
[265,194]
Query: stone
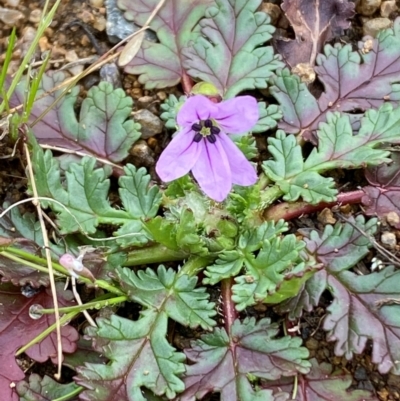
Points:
[151,124]
[10,17]
[368,7]
[142,154]
[373,26]
[100,23]
[145,101]
[35,16]
[312,343]
[360,374]
[13,3]
[118,27]
[387,8]
[97,3]
[272,10]
[393,219]
[326,217]
[389,239]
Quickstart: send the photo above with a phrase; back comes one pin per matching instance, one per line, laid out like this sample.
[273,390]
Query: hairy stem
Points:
[154,254]
[195,265]
[288,211]
[269,196]
[230,313]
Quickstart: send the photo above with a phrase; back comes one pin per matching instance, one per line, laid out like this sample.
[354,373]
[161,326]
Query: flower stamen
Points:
[205,129]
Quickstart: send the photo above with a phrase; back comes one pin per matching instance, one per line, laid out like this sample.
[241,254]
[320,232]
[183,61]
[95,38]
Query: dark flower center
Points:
[205,129]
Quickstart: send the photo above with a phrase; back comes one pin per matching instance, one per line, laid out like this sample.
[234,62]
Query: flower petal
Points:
[178,157]
[237,115]
[243,173]
[212,171]
[195,108]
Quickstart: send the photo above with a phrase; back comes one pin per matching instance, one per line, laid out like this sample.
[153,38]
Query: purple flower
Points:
[202,145]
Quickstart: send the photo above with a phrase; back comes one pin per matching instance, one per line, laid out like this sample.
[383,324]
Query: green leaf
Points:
[339,148]
[247,144]
[163,232]
[171,293]
[84,194]
[160,64]
[46,389]
[230,53]
[269,117]
[138,198]
[267,270]
[227,363]
[288,171]
[180,187]
[230,263]
[170,109]
[151,362]
[244,204]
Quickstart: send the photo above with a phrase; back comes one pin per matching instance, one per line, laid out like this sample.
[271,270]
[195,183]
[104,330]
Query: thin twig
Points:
[79,301]
[36,198]
[49,262]
[379,248]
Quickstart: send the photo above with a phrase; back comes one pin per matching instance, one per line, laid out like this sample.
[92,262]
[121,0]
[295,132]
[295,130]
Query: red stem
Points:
[230,313]
[289,211]
[186,82]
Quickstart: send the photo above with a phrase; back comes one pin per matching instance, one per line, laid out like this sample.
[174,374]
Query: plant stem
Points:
[70,396]
[154,254]
[270,195]
[63,319]
[90,305]
[37,263]
[288,211]
[230,313]
[187,83]
[194,265]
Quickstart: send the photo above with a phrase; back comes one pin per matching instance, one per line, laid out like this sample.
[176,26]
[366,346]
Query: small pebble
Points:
[360,374]
[100,23]
[326,217]
[373,26]
[161,95]
[97,3]
[151,124]
[368,7]
[35,15]
[393,380]
[145,101]
[10,17]
[387,8]
[142,154]
[393,219]
[389,239]
[272,10]
[312,343]
[13,3]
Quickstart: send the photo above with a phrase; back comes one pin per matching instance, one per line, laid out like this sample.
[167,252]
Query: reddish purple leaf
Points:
[17,328]
[160,64]
[225,363]
[323,384]
[359,311]
[353,80]
[103,129]
[383,195]
[315,22]
[20,232]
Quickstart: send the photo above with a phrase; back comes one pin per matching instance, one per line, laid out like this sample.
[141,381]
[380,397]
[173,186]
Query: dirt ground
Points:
[70,43]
